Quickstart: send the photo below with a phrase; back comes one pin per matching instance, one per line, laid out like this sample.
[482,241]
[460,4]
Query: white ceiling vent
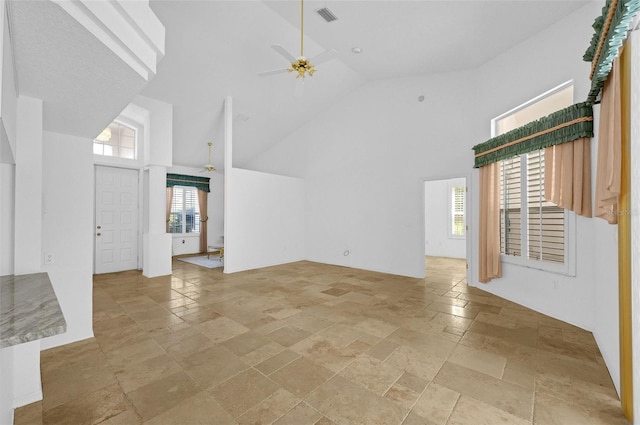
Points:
[326,14]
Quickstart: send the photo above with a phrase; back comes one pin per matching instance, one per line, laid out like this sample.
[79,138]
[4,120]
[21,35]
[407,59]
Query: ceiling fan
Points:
[301,65]
[208,167]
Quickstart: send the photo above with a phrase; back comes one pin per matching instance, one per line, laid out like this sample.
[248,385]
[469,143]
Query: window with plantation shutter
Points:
[510,207]
[545,221]
[185,214]
[528,223]
[533,231]
[457,229]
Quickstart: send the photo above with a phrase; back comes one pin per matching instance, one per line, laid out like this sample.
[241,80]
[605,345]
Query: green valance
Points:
[201,183]
[562,126]
[610,32]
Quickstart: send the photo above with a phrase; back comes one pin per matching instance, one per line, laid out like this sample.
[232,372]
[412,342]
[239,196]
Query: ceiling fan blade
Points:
[288,56]
[324,57]
[273,72]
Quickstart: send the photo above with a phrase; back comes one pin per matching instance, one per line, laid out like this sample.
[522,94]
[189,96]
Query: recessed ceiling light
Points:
[356,50]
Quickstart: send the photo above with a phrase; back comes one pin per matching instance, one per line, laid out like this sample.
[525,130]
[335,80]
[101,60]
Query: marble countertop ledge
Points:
[29,309]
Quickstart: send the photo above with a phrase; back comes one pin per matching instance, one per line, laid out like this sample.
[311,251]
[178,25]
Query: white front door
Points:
[116,220]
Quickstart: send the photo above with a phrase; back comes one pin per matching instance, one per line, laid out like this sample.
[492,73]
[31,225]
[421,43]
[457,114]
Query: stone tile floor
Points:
[307,343]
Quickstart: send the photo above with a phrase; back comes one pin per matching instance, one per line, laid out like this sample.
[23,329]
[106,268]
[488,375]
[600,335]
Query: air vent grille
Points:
[326,14]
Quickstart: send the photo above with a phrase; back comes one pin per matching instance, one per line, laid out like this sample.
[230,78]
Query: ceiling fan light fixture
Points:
[104,136]
[302,66]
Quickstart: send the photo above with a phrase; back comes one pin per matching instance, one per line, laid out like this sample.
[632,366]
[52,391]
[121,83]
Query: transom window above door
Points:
[117,140]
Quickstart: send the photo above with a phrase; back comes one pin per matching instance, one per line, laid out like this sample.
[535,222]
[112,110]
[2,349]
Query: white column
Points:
[28,192]
[27,387]
[6,385]
[156,241]
[7,219]
[228,169]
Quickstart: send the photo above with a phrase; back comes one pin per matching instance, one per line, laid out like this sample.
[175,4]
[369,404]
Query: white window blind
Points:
[185,214]
[457,211]
[545,220]
[510,207]
[528,223]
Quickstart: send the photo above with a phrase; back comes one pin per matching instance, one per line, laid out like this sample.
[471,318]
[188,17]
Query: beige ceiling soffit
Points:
[129,28]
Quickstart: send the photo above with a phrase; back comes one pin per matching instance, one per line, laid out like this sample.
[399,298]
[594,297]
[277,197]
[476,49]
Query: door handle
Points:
[98,234]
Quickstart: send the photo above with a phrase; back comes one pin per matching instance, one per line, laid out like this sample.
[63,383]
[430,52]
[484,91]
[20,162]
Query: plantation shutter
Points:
[545,221]
[185,214]
[457,213]
[191,210]
[510,207]
[175,218]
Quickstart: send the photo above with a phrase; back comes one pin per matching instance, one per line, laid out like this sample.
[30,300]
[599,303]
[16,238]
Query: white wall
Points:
[28,187]
[215,205]
[437,220]
[9,97]
[185,244]
[605,281]
[67,230]
[8,121]
[7,218]
[265,220]
[365,162]
[158,118]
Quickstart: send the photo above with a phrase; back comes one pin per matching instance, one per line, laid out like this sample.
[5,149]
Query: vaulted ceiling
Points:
[216,49]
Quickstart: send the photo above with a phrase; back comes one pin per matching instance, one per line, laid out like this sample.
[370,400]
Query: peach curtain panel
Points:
[567,175]
[609,148]
[169,199]
[490,265]
[204,217]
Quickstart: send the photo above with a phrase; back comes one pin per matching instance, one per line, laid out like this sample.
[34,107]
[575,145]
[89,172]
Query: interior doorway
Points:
[116,219]
[445,218]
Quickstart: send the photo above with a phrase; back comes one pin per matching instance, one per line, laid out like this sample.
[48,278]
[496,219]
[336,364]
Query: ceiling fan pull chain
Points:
[301,27]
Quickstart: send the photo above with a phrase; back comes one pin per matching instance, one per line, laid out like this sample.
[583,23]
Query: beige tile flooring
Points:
[307,343]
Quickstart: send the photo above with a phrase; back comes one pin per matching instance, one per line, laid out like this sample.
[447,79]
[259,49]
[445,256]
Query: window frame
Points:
[569,265]
[137,150]
[451,211]
[184,221]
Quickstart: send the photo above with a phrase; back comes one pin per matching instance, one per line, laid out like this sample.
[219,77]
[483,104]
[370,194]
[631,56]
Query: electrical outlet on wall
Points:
[48,258]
